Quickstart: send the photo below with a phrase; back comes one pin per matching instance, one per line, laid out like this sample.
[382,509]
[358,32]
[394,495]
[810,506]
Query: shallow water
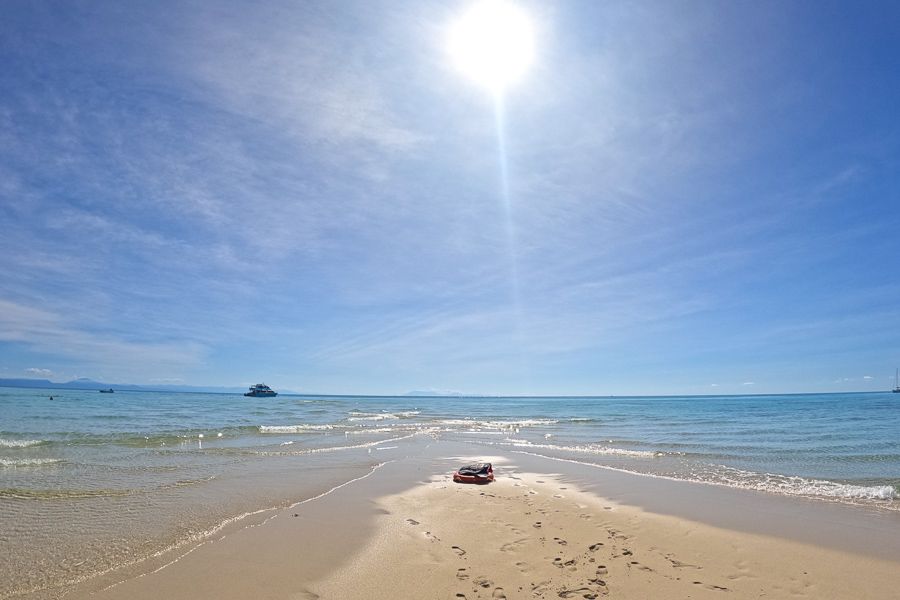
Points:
[91,481]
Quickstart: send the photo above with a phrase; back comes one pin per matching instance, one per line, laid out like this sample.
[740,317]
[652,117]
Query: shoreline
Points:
[828,523]
[361,526]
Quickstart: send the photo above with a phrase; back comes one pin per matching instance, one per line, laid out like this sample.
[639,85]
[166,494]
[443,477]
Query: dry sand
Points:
[527,535]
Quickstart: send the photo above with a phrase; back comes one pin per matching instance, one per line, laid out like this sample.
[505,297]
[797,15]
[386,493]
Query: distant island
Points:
[438,393]
[84,383]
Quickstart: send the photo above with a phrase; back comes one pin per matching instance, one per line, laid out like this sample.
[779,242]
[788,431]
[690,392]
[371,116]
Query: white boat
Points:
[897,381]
[260,389]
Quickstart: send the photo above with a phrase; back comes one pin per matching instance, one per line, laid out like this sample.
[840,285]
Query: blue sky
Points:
[704,197]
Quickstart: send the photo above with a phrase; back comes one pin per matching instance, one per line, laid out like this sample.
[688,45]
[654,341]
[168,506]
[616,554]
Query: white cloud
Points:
[45,331]
[749,383]
[37,371]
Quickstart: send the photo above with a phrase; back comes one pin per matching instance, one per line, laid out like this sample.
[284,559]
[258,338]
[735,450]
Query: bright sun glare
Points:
[492,43]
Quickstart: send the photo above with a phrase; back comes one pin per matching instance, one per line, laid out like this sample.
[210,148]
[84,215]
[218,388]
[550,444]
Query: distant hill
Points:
[89,384]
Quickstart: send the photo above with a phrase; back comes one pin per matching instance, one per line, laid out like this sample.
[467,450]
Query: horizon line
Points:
[457,396]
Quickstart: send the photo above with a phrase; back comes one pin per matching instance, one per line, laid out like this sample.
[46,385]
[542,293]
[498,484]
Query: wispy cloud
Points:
[289,67]
[51,334]
[174,182]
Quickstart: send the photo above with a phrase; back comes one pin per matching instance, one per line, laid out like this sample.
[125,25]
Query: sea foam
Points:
[19,443]
[801,486]
[294,428]
[583,449]
[28,462]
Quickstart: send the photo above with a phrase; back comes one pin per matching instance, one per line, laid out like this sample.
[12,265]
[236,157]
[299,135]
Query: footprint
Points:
[498,593]
[583,592]
[458,550]
[461,574]
[681,565]
[510,546]
[595,547]
[712,587]
[483,582]
[537,525]
[412,522]
[569,564]
[561,542]
[539,588]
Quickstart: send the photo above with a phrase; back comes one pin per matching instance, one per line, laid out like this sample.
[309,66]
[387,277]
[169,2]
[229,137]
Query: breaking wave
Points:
[392,416]
[583,449]
[801,486]
[296,428]
[497,425]
[28,462]
[20,443]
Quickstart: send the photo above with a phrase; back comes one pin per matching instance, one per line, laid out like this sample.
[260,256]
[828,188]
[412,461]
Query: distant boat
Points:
[260,389]
[107,391]
[897,381]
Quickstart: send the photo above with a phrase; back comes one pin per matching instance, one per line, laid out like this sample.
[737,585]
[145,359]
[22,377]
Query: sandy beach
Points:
[405,530]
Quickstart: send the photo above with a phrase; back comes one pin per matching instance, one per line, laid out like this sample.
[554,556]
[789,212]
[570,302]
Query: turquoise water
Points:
[90,482]
[844,447]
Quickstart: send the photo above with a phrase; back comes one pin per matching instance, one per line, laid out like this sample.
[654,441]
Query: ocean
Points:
[90,482]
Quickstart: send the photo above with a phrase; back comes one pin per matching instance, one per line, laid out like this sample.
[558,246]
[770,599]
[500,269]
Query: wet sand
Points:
[542,530]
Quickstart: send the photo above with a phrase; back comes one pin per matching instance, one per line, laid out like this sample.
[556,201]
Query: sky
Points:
[699,198]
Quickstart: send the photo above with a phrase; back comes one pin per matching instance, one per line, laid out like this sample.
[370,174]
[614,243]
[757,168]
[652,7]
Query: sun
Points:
[492,44]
